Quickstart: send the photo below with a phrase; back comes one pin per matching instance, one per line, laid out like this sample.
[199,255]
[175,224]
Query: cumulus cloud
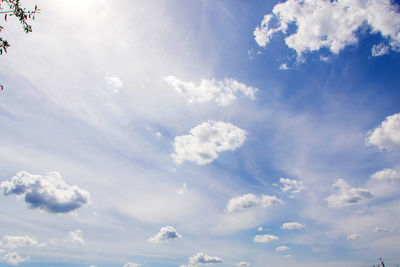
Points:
[379,50]
[12,242]
[387,135]
[76,237]
[50,193]
[202,258]
[223,93]
[250,200]
[345,195]
[13,258]
[386,175]
[282,248]
[265,238]
[353,237]
[166,233]
[131,264]
[328,24]
[206,141]
[380,229]
[243,264]
[291,185]
[292,225]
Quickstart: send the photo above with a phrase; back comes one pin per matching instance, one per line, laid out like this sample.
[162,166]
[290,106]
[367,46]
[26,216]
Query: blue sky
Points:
[220,133]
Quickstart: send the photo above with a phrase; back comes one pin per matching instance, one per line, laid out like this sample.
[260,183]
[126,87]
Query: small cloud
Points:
[386,175]
[291,185]
[131,264]
[282,248]
[353,237]
[206,141]
[345,195]
[50,193]
[166,233]
[223,93]
[182,190]
[76,237]
[202,258]
[158,134]
[13,258]
[288,256]
[292,225]
[12,242]
[250,200]
[387,135]
[379,50]
[243,264]
[113,81]
[324,59]
[260,229]
[284,66]
[380,229]
[265,238]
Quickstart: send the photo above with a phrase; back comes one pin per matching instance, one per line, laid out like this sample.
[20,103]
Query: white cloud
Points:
[292,225]
[202,258]
[353,237]
[12,242]
[243,264]
[291,185]
[265,238]
[330,24]
[223,93]
[182,190]
[284,66]
[380,229]
[76,236]
[260,229]
[250,200]
[113,81]
[282,248]
[288,256]
[346,195]
[166,233]
[206,141]
[379,50]
[50,193]
[131,264]
[387,135]
[13,258]
[386,175]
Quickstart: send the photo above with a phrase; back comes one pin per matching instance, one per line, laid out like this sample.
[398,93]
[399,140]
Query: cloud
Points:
[380,229]
[166,233]
[328,24]
[260,229]
[131,264]
[206,141]
[223,93]
[386,175]
[50,193]
[292,225]
[202,258]
[76,237]
[12,242]
[250,200]
[13,258]
[288,256]
[182,190]
[353,237]
[387,135]
[284,66]
[113,81]
[379,50]
[282,248]
[243,264]
[346,195]
[265,238]
[291,185]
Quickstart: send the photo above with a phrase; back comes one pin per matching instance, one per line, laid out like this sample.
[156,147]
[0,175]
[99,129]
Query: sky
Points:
[201,133]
